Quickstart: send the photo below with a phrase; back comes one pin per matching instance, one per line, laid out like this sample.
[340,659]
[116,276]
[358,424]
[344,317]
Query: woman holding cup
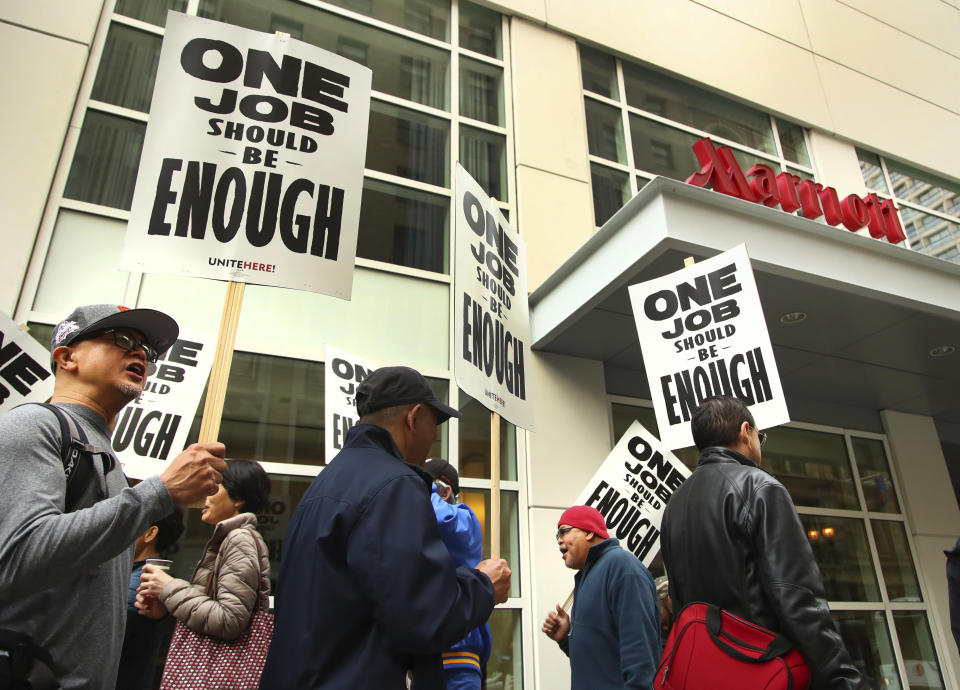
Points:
[231,585]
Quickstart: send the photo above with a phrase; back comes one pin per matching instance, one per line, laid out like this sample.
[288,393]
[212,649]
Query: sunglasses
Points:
[128,343]
[563,531]
[762,435]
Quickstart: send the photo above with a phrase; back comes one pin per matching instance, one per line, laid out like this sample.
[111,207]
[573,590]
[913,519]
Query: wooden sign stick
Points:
[222,359]
[494,485]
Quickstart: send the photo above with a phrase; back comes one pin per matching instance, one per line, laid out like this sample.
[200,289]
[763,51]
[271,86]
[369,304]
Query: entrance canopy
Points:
[874,312]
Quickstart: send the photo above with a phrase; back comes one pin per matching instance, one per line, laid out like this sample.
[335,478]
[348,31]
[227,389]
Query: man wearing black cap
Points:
[368,596]
[462,534]
[65,567]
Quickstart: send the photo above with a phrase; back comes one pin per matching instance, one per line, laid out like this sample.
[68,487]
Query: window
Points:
[845,492]
[429,82]
[642,123]
[929,205]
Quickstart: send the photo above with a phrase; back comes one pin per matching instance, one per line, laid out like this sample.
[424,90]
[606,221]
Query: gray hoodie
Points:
[64,577]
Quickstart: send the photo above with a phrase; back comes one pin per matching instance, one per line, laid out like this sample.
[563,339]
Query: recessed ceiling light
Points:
[793,317]
[943,350]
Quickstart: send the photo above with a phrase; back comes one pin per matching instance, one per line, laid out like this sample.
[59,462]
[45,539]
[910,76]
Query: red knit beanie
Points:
[586,518]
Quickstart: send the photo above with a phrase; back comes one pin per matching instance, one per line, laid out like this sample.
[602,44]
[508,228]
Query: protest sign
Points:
[631,489]
[702,333]
[252,162]
[490,308]
[342,374]
[153,429]
[25,374]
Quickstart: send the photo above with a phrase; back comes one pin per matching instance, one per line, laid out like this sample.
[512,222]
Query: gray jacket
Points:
[64,576]
[242,584]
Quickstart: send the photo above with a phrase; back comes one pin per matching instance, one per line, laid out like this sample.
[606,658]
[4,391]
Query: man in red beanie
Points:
[613,636]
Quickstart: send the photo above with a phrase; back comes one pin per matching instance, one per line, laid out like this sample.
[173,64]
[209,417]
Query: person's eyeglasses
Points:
[128,343]
[563,531]
[762,435]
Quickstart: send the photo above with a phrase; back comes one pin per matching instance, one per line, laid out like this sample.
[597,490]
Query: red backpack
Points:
[711,649]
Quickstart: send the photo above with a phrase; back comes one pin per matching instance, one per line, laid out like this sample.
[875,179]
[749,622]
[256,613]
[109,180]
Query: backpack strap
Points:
[74,448]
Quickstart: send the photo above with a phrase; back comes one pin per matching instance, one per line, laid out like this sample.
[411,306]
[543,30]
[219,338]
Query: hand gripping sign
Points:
[252,163]
[702,333]
[631,489]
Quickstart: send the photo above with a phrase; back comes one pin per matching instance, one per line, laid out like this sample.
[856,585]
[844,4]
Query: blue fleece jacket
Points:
[614,640]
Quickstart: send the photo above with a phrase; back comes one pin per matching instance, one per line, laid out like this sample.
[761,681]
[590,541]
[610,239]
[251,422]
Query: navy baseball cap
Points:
[391,386]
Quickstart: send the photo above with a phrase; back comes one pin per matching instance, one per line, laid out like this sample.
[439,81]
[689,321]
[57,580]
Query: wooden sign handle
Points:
[222,359]
[494,485]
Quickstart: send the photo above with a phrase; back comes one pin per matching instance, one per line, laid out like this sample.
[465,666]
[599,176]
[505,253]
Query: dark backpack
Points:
[77,457]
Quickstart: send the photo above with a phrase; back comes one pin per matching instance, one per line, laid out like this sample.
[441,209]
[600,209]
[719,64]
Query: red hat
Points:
[586,518]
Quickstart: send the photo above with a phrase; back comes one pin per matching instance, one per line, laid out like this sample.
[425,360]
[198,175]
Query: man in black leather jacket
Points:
[732,537]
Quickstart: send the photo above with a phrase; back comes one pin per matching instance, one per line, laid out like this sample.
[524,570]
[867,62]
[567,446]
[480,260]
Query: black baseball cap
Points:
[390,386]
[158,329]
[440,468]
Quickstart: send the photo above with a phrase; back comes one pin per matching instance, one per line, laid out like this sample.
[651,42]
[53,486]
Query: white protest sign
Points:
[631,489]
[702,333]
[153,429]
[25,374]
[491,311]
[252,163]
[342,374]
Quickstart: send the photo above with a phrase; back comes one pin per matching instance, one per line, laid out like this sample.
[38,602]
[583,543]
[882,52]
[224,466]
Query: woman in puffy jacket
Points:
[236,556]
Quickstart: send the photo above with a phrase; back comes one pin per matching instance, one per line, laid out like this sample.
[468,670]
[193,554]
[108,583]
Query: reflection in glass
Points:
[409,144]
[878,489]
[152,11]
[923,188]
[484,155]
[916,647]
[676,100]
[475,442]
[401,67]
[479,29]
[599,72]
[285,494]
[662,150]
[128,68]
[404,226]
[479,502]
[481,89]
[840,547]
[611,190]
[814,467]
[605,132]
[104,169]
[928,233]
[792,143]
[896,563]
[505,668]
[427,17]
[872,172]
[867,638]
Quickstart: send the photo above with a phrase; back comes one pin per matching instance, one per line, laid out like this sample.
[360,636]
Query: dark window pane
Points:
[840,547]
[896,563]
[662,150]
[867,638]
[697,107]
[104,169]
[792,143]
[484,155]
[152,11]
[625,415]
[505,668]
[875,477]
[404,226]
[605,132]
[409,144]
[814,467]
[401,67]
[285,494]
[427,17]
[479,502]
[128,68]
[481,90]
[599,72]
[479,29]
[872,172]
[611,190]
[916,647]
[475,442]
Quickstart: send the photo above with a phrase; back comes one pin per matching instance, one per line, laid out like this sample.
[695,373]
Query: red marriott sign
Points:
[790,192]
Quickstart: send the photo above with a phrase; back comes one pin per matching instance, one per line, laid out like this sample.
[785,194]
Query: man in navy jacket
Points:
[613,639]
[368,597]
